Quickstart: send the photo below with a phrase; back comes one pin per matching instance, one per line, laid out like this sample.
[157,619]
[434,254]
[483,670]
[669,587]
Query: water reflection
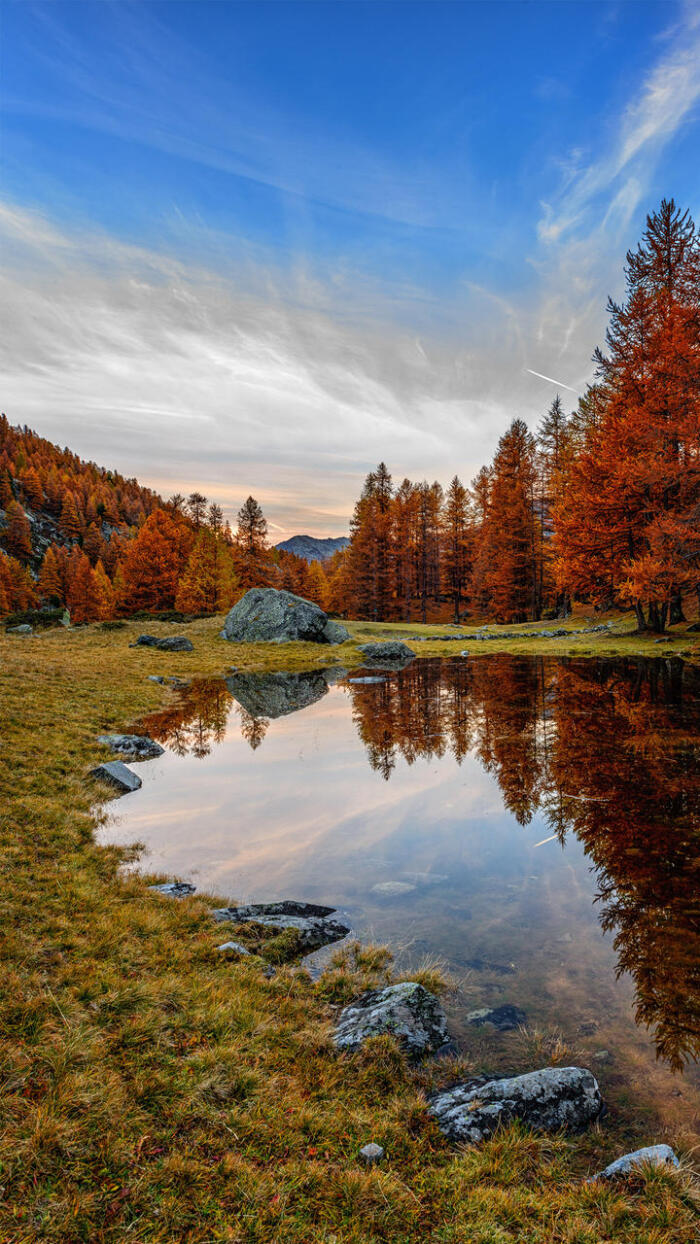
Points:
[604,752]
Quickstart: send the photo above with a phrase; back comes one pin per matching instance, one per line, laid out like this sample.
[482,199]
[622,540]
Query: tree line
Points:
[601,504]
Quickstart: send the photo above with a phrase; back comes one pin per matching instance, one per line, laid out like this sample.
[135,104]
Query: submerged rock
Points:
[545,1100]
[116,774]
[308,920]
[167,643]
[654,1155]
[391,888]
[370,678]
[504,1018]
[173,889]
[132,746]
[389,655]
[406,1011]
[275,695]
[267,615]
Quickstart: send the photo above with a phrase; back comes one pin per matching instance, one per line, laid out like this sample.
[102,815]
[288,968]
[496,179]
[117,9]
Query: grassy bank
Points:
[154,1092]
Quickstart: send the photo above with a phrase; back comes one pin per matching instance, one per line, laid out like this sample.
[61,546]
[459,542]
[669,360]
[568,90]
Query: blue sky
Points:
[255,247]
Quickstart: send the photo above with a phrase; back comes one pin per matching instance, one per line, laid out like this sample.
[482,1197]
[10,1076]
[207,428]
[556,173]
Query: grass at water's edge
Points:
[153,1092]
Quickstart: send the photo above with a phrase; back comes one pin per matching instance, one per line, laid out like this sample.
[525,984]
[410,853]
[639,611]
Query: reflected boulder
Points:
[546,1100]
[267,615]
[275,695]
[392,655]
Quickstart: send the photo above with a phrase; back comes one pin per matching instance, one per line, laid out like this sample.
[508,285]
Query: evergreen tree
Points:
[253,561]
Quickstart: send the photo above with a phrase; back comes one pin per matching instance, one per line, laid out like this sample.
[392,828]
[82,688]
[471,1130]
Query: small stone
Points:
[602,1056]
[654,1155]
[235,948]
[391,654]
[168,643]
[115,773]
[371,1153]
[174,889]
[24,629]
[156,678]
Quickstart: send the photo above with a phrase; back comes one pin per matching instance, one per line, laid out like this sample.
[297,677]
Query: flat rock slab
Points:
[23,629]
[504,1018]
[168,643]
[132,746]
[390,655]
[116,774]
[173,889]
[652,1155]
[406,1011]
[391,889]
[309,920]
[267,615]
[546,1100]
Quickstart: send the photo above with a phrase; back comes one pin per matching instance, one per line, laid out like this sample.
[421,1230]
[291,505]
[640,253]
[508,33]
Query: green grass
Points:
[153,1090]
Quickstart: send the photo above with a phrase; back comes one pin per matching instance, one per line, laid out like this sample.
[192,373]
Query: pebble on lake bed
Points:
[371,1153]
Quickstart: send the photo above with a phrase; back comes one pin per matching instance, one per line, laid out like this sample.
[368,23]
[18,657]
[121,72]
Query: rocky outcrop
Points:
[173,889]
[504,1018]
[275,695]
[132,746]
[406,1011]
[308,920]
[266,615]
[116,774]
[392,655]
[652,1155]
[167,643]
[546,1100]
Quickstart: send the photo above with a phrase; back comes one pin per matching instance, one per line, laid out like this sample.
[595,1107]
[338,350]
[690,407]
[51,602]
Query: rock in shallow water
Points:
[546,1100]
[504,1018]
[116,774]
[655,1155]
[132,746]
[406,1011]
[309,921]
[267,615]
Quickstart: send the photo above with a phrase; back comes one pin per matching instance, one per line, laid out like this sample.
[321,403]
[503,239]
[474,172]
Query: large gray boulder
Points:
[390,655]
[546,1100]
[275,695]
[266,615]
[406,1011]
[132,746]
[116,774]
[651,1155]
[308,920]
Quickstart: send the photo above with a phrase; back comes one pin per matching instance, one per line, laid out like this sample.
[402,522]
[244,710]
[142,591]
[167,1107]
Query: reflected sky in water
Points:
[534,823]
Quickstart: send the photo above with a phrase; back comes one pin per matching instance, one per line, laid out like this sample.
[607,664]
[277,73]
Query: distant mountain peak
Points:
[313,548]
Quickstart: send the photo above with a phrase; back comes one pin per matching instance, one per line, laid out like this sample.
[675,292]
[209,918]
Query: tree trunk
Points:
[641,620]
[676,610]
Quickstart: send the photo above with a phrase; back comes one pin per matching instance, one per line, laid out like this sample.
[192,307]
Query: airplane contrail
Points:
[560,383]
